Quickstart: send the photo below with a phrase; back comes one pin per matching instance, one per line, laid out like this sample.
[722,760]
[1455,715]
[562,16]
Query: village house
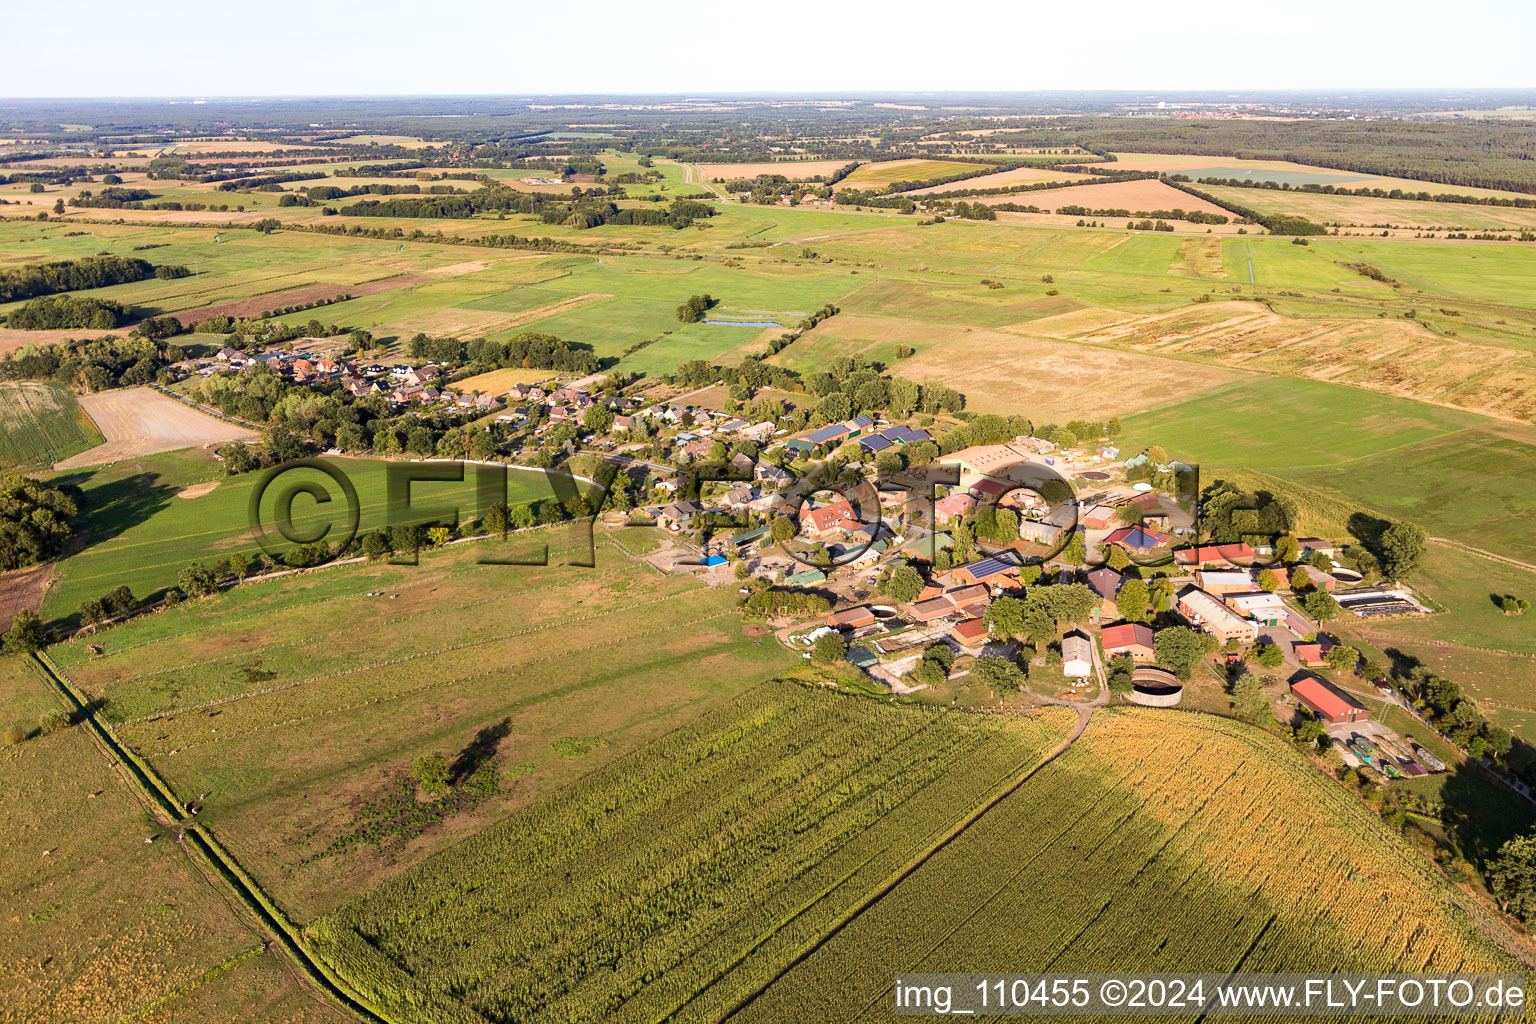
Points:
[1131,638]
[769,475]
[1105,583]
[679,515]
[817,523]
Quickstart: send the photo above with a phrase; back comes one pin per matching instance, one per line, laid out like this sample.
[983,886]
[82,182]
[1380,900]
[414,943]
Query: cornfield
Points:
[1161,842]
[674,881]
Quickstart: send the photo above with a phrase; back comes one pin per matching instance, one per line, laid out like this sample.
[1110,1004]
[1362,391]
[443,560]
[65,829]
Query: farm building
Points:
[994,572]
[1328,702]
[1137,538]
[852,618]
[805,578]
[1313,655]
[948,508]
[1052,529]
[932,609]
[1320,580]
[1214,554]
[1155,688]
[1205,612]
[1076,656]
[1259,606]
[1225,581]
[970,633]
[1131,638]
[1100,517]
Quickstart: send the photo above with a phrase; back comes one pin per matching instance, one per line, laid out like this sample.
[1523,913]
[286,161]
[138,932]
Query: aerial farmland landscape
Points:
[764,544]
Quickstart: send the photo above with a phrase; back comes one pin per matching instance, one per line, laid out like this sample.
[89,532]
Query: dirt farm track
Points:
[140,421]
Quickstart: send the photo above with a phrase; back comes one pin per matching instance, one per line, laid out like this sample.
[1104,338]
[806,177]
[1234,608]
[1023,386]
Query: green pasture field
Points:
[85,946]
[41,424]
[142,533]
[1457,474]
[699,865]
[1149,814]
[1481,272]
[876,175]
[299,704]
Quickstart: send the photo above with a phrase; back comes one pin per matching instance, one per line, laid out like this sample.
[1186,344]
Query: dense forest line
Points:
[1481,154]
[74,275]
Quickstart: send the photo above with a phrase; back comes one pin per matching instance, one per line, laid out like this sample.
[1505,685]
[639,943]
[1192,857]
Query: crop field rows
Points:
[41,424]
[728,845]
[1149,815]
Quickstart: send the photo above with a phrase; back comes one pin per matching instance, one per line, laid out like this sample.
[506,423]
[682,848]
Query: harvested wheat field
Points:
[794,170]
[499,382]
[1002,179]
[1397,357]
[1046,379]
[1145,196]
[140,421]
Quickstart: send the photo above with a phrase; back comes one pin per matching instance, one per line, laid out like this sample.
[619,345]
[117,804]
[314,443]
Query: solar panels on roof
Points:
[862,421]
[826,434]
[987,567]
[877,442]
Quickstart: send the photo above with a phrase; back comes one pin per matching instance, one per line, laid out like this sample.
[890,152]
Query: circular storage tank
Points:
[1155,688]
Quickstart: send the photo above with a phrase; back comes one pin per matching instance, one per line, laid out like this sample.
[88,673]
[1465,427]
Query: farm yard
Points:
[41,424]
[1148,814]
[142,421]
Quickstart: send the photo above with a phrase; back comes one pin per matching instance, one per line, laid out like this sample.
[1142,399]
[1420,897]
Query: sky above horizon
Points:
[386,47]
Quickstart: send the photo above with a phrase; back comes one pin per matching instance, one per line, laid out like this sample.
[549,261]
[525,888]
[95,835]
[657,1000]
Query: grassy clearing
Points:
[143,533]
[41,424]
[276,699]
[641,893]
[1149,814]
